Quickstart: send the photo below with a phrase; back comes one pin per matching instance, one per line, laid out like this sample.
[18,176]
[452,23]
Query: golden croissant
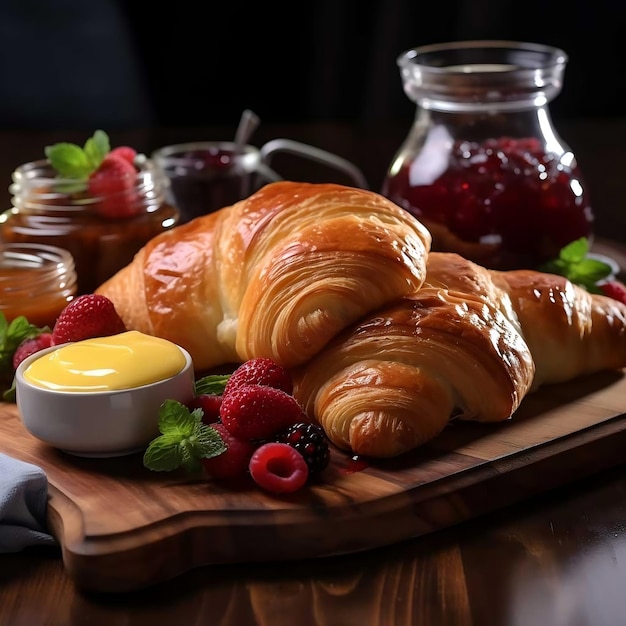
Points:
[276,275]
[471,344]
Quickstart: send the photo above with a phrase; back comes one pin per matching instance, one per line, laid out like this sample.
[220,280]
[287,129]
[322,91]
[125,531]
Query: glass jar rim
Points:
[34,181]
[46,262]
[33,255]
[181,155]
[429,56]
[482,75]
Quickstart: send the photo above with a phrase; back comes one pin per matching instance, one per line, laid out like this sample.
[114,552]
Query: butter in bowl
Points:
[100,397]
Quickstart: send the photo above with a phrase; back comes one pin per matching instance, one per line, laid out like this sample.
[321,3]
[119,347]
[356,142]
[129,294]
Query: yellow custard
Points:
[123,361]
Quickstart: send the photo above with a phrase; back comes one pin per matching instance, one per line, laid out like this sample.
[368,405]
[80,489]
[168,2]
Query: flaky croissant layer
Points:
[471,344]
[276,275]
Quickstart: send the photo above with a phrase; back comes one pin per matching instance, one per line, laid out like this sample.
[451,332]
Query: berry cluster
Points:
[264,429]
[113,185]
[108,175]
[89,315]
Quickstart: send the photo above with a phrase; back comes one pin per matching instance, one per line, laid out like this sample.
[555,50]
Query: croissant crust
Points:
[275,275]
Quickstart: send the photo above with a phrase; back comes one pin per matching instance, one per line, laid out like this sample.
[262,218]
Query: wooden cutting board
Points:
[122,527]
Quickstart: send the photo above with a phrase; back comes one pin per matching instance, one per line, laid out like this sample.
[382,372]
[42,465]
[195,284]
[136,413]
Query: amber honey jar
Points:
[36,281]
[101,230]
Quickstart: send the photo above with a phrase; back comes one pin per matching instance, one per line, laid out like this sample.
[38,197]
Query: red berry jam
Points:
[504,203]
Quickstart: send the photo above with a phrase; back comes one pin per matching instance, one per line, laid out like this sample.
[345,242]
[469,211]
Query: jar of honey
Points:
[483,166]
[36,281]
[101,230]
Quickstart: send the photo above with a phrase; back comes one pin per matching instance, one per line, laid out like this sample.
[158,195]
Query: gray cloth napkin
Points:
[23,502]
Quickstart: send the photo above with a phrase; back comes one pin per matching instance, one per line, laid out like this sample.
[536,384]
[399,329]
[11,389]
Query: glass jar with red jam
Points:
[102,224]
[483,166]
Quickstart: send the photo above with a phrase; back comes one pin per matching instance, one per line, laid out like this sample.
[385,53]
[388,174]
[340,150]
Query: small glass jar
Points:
[36,281]
[483,167]
[102,231]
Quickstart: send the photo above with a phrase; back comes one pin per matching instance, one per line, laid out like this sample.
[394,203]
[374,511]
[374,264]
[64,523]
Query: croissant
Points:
[569,331]
[275,275]
[470,344]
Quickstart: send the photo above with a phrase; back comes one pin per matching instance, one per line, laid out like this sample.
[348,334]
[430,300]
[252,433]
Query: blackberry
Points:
[311,442]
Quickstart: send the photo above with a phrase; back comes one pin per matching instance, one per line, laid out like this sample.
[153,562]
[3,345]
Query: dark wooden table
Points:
[558,559]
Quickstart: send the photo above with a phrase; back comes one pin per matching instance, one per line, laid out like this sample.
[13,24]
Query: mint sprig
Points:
[184,440]
[73,161]
[212,384]
[574,264]
[11,336]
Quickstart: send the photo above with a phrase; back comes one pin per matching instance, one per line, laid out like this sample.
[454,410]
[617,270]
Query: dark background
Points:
[120,64]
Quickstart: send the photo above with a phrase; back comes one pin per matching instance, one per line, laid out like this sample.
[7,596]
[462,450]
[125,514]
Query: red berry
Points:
[209,403]
[279,468]
[260,371]
[614,289]
[89,315]
[125,152]
[113,184]
[30,346]
[257,412]
[234,461]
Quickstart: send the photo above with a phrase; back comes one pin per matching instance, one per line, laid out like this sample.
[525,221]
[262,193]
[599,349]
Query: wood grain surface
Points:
[122,527]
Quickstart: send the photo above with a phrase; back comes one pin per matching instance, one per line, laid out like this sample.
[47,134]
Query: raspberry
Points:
[260,371]
[89,315]
[311,442]
[279,468]
[30,346]
[614,289]
[113,184]
[234,461]
[125,152]
[258,412]
[209,403]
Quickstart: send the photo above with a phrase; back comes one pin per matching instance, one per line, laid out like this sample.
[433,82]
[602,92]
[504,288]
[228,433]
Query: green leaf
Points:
[589,270]
[69,160]
[163,454]
[176,419]
[575,265]
[11,336]
[184,442]
[9,394]
[96,148]
[72,161]
[213,384]
[575,251]
[208,442]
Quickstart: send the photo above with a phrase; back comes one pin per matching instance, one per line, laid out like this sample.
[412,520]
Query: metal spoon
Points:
[247,125]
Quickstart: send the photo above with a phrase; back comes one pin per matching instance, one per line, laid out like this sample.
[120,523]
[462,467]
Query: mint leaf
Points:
[176,419]
[184,442]
[11,336]
[575,265]
[575,251]
[163,454]
[72,161]
[69,160]
[96,148]
[213,384]
[9,394]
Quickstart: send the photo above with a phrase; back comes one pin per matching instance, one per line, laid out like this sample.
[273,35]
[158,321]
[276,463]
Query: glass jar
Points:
[36,281]
[483,167]
[102,231]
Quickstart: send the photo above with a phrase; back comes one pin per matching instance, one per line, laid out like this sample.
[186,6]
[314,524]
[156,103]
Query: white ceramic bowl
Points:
[100,423]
